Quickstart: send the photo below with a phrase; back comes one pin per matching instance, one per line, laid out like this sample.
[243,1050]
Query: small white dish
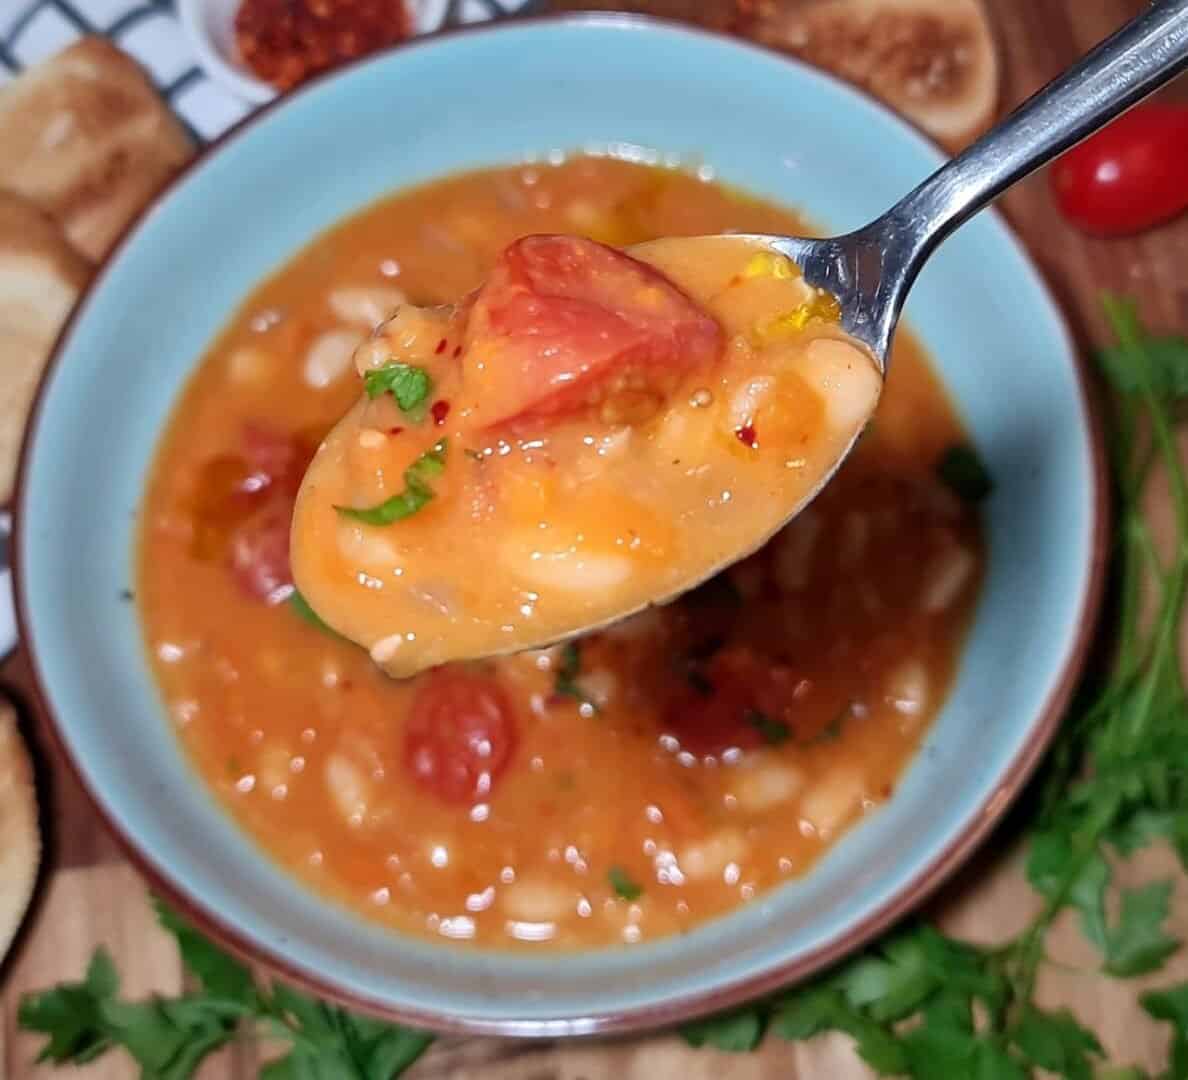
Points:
[210,26]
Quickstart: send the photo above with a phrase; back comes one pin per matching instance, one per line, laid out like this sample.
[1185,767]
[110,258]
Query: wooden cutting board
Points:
[90,895]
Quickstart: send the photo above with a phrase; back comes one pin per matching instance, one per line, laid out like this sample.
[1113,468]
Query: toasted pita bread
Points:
[20,839]
[85,136]
[40,279]
[935,61]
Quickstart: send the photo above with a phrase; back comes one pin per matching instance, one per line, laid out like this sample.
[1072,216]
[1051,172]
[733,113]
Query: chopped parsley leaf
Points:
[408,384]
[416,494]
[962,470]
[565,682]
[301,606]
[774,732]
[623,884]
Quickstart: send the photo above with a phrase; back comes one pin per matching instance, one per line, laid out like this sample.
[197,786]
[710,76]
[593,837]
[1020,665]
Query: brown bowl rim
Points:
[922,884]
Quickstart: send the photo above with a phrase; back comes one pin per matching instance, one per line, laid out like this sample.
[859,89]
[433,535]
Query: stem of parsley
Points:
[1117,780]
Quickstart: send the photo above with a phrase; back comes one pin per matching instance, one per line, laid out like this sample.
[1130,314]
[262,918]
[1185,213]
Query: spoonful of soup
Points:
[592,430]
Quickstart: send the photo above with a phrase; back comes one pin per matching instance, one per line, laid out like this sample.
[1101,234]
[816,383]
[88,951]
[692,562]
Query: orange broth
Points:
[662,772]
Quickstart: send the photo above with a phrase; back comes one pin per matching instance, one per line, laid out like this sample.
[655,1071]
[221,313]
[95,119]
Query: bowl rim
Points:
[920,884]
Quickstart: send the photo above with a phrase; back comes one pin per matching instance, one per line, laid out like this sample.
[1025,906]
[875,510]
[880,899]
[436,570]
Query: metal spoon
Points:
[870,270]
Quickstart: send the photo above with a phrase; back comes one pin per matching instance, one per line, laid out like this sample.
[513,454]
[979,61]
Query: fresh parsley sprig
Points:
[169,1037]
[417,493]
[924,1005]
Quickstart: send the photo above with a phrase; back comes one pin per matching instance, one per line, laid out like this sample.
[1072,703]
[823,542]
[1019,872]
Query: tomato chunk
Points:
[460,735]
[258,551]
[741,700]
[563,322]
[242,509]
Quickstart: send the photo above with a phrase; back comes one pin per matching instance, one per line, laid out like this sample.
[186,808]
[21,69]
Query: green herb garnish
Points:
[565,682]
[170,1037]
[416,494]
[301,606]
[408,384]
[962,471]
[623,884]
[925,1005]
[774,732]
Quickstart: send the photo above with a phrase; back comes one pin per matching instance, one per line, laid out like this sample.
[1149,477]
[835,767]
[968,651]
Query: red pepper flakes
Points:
[457,351]
[747,436]
[395,430]
[441,347]
[286,41]
[439,412]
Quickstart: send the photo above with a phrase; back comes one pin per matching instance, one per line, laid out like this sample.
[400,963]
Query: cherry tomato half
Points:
[1131,175]
[460,735]
[561,316]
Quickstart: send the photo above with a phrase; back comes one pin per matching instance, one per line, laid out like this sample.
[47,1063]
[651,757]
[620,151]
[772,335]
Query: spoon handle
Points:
[873,268]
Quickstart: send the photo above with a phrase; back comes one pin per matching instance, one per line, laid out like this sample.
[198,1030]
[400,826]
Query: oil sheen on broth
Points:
[654,775]
[606,430]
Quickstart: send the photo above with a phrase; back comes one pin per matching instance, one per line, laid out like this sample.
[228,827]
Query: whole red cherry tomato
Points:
[1131,175]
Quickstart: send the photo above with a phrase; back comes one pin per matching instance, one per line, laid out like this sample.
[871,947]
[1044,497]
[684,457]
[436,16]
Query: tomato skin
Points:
[242,509]
[460,735]
[1130,176]
[562,320]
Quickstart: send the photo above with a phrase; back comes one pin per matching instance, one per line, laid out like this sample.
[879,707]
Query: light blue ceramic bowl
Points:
[494,96]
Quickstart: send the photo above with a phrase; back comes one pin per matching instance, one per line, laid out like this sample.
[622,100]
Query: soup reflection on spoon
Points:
[590,432]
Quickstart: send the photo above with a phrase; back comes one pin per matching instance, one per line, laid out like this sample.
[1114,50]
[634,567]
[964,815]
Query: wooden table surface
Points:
[90,895]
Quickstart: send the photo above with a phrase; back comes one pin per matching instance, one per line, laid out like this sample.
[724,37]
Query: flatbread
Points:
[85,136]
[41,276]
[20,839]
[935,61]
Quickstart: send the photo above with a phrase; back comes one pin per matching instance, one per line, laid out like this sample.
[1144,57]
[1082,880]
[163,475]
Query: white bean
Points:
[329,357]
[709,858]
[349,790]
[907,689]
[846,379]
[365,306]
[946,578]
[536,901]
[834,799]
[766,785]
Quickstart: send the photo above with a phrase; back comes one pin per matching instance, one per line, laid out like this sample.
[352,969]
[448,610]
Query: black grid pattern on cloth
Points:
[455,13]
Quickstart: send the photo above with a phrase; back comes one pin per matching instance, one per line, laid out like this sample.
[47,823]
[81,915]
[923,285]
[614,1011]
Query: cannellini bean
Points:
[907,689]
[846,379]
[535,901]
[794,548]
[365,306]
[249,365]
[349,789]
[834,799]
[747,400]
[367,547]
[565,570]
[329,357]
[272,766]
[766,785]
[709,859]
[946,578]
[600,686]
